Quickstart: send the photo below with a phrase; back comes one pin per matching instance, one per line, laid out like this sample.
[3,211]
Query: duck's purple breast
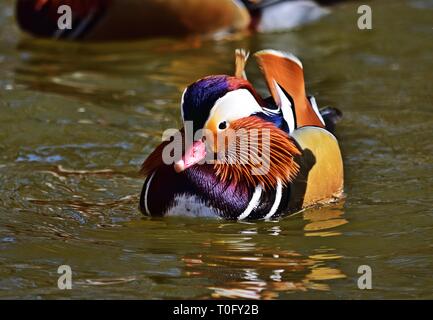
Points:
[198,192]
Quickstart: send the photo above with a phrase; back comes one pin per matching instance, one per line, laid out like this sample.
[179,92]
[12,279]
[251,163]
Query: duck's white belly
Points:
[191,206]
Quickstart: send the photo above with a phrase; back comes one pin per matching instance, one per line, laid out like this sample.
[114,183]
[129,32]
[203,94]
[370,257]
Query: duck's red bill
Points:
[193,155]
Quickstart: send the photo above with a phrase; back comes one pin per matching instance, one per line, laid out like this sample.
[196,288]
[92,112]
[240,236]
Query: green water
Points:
[77,120]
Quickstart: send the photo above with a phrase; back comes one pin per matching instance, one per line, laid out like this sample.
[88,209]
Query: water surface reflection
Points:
[248,270]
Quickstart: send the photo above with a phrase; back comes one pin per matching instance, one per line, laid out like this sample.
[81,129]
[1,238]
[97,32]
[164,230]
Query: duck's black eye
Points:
[222,125]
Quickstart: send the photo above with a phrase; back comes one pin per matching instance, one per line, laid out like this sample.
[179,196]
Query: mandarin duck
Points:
[215,176]
[131,19]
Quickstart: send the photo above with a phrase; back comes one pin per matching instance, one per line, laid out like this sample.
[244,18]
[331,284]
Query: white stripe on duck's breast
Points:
[186,205]
[277,201]
[146,193]
[253,204]
[257,200]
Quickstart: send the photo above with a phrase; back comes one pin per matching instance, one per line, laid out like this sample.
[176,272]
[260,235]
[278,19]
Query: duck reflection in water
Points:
[269,272]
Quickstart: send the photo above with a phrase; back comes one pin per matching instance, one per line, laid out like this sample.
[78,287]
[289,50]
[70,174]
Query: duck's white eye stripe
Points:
[234,105]
[277,201]
[316,109]
[146,193]
[286,108]
[254,202]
